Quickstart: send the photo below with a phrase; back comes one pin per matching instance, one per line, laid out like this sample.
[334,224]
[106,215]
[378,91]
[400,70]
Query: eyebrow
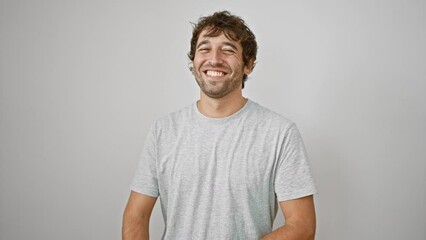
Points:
[225,43]
[202,43]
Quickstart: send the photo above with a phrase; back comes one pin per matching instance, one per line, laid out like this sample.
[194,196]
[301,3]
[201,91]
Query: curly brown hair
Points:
[234,28]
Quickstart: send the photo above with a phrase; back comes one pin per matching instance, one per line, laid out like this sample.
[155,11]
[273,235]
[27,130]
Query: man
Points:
[222,165]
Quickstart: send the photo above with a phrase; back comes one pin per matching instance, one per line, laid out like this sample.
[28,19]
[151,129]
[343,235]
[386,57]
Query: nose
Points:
[216,57]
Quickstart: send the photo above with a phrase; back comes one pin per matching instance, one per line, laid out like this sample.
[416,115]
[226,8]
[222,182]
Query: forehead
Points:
[207,36]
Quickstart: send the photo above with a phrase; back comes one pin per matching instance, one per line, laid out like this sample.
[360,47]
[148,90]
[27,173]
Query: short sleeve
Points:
[145,180]
[293,177]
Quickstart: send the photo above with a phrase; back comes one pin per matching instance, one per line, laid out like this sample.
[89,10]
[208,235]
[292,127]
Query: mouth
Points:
[214,73]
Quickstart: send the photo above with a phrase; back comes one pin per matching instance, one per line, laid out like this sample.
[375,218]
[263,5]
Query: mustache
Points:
[219,66]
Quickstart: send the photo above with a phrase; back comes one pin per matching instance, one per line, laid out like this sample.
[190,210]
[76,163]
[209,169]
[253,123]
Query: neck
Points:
[222,107]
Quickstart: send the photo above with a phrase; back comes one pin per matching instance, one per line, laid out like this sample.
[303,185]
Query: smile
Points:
[212,73]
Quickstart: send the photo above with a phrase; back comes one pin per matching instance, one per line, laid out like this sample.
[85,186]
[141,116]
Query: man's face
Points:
[218,65]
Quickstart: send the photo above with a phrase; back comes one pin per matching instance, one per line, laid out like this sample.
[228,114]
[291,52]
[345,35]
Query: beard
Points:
[217,89]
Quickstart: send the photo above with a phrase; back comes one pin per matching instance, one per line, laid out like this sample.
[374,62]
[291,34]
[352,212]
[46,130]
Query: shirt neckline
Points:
[204,118]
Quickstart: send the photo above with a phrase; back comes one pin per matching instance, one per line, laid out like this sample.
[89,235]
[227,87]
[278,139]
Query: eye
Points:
[203,49]
[228,51]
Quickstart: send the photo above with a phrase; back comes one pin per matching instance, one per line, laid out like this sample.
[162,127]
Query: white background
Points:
[82,81]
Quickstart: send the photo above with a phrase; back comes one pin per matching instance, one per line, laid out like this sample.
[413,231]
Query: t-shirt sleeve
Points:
[145,180]
[293,178]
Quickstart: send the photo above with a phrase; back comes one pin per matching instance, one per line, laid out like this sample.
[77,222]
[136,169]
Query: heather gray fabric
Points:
[217,178]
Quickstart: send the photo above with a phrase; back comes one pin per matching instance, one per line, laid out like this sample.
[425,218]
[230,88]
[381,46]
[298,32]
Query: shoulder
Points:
[174,119]
[267,116]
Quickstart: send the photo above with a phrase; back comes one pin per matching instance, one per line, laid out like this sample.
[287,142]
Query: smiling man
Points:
[222,165]
[218,64]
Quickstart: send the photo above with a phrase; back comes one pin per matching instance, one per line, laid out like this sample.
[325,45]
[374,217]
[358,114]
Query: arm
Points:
[136,217]
[300,220]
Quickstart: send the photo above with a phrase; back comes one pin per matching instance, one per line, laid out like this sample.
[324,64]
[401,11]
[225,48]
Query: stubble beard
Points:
[217,89]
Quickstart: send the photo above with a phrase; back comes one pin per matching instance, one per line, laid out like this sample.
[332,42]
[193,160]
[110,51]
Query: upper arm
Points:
[293,178]
[140,205]
[300,213]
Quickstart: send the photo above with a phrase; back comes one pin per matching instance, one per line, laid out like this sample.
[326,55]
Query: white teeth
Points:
[214,73]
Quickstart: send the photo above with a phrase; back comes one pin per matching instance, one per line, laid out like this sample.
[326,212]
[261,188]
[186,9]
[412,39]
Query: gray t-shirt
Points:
[222,178]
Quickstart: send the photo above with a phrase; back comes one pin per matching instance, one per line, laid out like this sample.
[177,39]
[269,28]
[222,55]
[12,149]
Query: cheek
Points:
[197,61]
[238,67]
[237,62]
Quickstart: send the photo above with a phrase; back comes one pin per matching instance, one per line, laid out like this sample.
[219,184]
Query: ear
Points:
[248,68]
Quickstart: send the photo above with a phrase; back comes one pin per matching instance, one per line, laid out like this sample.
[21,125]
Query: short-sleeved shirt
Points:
[222,178]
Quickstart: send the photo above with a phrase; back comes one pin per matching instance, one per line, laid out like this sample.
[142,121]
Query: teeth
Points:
[214,73]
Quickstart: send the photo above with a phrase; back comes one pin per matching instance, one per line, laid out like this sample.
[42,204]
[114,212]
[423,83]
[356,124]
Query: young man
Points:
[222,165]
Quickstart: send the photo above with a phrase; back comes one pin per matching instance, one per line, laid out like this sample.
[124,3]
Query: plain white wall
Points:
[82,81]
